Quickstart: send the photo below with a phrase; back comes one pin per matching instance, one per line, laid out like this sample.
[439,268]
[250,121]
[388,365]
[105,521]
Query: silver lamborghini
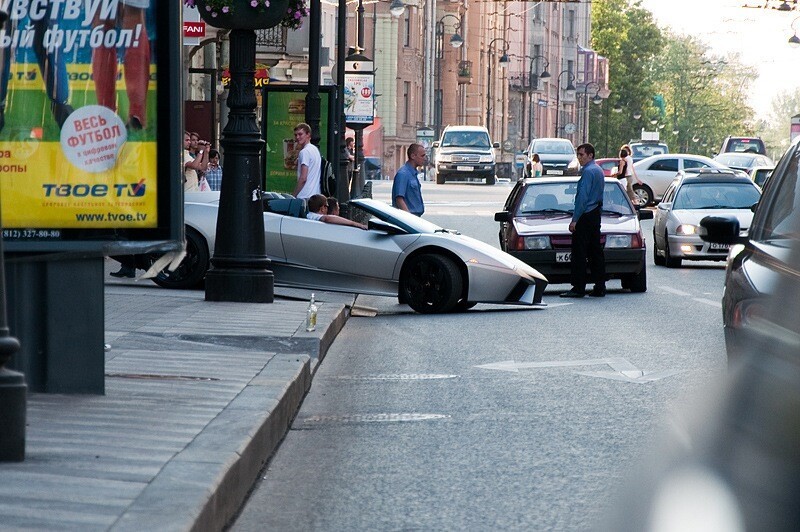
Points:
[427,267]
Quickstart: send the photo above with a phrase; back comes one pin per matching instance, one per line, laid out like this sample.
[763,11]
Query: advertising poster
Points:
[77,117]
[284,108]
[359,99]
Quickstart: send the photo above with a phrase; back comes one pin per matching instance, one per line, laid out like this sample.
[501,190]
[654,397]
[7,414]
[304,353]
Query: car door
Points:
[510,206]
[659,174]
[662,214]
[689,163]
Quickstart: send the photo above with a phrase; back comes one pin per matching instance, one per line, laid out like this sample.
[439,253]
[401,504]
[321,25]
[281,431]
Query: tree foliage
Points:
[671,79]
[776,129]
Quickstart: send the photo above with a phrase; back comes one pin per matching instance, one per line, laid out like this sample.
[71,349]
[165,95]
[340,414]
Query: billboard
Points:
[283,107]
[88,157]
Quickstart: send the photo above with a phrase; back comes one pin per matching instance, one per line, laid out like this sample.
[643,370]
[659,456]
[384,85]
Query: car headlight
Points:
[486,158]
[686,229]
[618,241]
[573,164]
[445,158]
[537,242]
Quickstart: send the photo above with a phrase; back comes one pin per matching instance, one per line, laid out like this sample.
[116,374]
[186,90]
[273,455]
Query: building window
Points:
[406,102]
[571,23]
[406,31]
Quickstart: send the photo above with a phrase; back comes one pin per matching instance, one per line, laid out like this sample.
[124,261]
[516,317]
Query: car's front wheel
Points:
[645,194]
[431,284]
[192,269]
[439,179]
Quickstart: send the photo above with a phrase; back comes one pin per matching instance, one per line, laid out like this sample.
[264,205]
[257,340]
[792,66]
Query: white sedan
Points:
[658,171]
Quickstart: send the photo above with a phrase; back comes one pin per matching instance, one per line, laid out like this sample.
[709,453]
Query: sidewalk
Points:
[198,396]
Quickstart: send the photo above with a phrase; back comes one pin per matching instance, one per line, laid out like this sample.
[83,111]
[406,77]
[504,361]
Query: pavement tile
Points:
[198,396]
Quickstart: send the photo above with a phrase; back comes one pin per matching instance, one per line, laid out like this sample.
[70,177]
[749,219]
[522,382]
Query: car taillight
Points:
[637,240]
[747,311]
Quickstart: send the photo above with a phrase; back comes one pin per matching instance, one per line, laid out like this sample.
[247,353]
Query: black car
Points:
[757,260]
[558,157]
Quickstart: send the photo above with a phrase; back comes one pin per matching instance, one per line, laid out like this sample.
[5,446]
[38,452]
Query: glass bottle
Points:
[311,315]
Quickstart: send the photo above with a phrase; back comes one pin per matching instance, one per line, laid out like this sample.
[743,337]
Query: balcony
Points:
[272,40]
[464,72]
[524,82]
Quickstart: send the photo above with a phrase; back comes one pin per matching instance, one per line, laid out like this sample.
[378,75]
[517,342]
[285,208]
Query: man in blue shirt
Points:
[406,190]
[585,228]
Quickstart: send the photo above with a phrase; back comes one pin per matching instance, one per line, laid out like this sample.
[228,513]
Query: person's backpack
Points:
[327,179]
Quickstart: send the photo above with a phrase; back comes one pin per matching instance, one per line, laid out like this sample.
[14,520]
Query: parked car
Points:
[534,228]
[558,157]
[743,161]
[608,164]
[743,144]
[691,198]
[760,174]
[760,256]
[430,268]
[643,149]
[465,153]
[658,171]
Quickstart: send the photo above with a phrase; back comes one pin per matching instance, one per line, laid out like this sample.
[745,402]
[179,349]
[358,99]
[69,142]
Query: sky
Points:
[759,36]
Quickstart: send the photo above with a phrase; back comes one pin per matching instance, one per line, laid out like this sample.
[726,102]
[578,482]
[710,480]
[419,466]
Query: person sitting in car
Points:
[318,210]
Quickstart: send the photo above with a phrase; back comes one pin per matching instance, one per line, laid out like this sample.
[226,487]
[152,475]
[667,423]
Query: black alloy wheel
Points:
[431,284]
[192,270]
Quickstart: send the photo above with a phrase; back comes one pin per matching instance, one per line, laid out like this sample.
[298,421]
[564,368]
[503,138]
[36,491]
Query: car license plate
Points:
[555,172]
[563,256]
[464,168]
[719,247]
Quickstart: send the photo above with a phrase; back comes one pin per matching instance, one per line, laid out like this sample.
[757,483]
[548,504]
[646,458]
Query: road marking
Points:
[710,302]
[623,370]
[674,291]
[398,377]
[375,418]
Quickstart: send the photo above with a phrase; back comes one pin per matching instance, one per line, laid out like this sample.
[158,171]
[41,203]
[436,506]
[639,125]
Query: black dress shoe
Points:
[124,272]
[572,293]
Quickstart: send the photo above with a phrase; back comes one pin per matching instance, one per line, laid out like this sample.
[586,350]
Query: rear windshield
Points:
[646,150]
[716,196]
[746,145]
[552,146]
[548,198]
[735,159]
[472,139]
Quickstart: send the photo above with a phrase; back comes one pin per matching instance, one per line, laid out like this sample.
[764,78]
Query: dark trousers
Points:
[586,246]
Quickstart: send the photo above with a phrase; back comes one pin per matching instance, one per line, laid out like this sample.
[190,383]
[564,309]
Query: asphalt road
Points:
[497,418]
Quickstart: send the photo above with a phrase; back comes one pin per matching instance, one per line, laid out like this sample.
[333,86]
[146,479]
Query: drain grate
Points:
[375,418]
[398,377]
[150,376]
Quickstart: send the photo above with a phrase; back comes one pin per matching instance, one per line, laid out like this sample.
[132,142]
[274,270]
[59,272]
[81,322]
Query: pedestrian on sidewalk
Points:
[309,163]
[585,228]
[406,189]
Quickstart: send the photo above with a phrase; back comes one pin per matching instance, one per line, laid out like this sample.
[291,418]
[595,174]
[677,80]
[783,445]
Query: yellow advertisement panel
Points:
[77,117]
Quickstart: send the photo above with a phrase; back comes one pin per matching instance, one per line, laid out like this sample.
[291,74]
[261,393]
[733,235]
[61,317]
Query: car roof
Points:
[466,128]
[715,175]
[562,179]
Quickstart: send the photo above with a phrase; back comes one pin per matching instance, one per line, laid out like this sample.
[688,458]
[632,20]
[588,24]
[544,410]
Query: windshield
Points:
[779,218]
[552,146]
[741,161]
[746,145]
[470,139]
[555,198]
[716,196]
[646,150]
[405,220]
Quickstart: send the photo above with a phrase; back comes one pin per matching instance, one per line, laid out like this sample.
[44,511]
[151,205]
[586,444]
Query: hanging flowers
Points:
[296,11]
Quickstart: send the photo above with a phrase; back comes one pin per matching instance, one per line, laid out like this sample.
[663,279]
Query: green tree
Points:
[775,130]
[626,34]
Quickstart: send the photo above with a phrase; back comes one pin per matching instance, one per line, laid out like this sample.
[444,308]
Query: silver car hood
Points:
[693,216]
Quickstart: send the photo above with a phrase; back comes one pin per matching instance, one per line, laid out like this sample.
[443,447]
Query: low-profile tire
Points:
[491,180]
[439,179]
[658,260]
[637,282]
[669,260]
[464,305]
[645,194]
[431,284]
[192,269]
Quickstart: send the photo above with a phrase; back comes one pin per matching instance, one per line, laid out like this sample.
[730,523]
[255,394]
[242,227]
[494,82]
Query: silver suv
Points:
[465,153]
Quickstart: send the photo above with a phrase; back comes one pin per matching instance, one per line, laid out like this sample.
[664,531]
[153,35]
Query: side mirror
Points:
[721,230]
[435,144]
[384,227]
[644,214]
[495,145]
[504,216]
[754,206]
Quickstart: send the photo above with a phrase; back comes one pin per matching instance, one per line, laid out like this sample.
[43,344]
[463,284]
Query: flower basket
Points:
[242,14]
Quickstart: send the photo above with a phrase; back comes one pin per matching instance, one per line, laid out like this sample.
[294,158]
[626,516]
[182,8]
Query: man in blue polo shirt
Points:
[406,190]
[585,228]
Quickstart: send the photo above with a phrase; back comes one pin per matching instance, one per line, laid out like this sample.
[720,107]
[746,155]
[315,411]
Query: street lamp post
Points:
[596,99]
[503,64]
[569,87]
[543,75]
[456,41]
[794,40]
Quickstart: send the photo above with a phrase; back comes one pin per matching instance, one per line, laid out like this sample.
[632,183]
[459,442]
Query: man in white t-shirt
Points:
[309,163]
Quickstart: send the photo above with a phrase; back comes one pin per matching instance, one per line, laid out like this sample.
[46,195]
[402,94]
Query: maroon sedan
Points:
[534,227]
[608,165]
